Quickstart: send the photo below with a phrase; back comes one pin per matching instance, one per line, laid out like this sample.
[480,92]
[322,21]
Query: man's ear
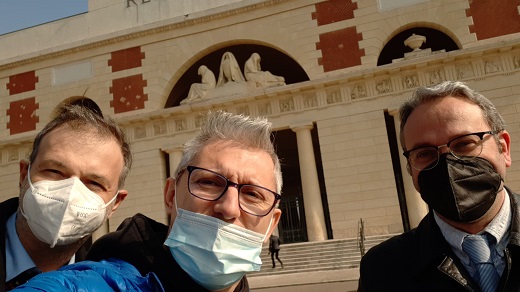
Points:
[121,195]
[24,168]
[505,146]
[169,194]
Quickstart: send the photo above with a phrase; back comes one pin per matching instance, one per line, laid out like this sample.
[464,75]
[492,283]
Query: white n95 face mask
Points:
[62,212]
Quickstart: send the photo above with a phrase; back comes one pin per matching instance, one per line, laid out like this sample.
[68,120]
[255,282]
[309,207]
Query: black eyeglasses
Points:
[211,186]
[463,147]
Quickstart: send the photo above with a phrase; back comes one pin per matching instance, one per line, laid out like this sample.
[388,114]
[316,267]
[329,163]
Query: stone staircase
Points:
[317,256]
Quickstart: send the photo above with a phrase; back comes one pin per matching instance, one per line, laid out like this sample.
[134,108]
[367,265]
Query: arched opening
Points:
[435,40]
[272,60]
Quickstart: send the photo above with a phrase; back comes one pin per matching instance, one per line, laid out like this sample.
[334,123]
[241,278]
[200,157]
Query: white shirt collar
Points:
[498,228]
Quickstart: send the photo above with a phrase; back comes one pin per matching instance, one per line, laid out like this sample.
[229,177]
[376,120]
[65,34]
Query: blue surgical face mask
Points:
[215,254]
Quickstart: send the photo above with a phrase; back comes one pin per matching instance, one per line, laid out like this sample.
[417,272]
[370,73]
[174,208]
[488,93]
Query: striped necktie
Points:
[477,248]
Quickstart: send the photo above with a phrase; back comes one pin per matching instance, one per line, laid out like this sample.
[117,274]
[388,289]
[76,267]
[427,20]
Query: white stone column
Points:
[415,205]
[316,229]
[175,156]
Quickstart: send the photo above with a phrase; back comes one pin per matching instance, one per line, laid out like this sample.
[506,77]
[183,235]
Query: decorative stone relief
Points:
[159,128]
[464,70]
[516,61]
[26,152]
[410,81]
[384,86]
[264,109]
[180,125]
[12,155]
[492,66]
[333,97]
[286,105]
[140,132]
[310,100]
[358,91]
[436,76]
[243,110]
[199,121]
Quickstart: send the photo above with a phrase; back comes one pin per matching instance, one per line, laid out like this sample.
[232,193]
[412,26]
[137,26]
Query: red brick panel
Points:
[333,11]
[340,49]
[126,59]
[492,18]
[22,115]
[22,82]
[128,93]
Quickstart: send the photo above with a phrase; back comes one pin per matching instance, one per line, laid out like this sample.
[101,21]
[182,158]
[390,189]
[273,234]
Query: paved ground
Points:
[331,280]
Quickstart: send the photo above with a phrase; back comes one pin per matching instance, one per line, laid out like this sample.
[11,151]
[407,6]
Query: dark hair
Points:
[450,88]
[83,114]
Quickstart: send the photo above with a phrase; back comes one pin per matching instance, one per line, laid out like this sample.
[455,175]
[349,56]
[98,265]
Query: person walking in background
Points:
[274,248]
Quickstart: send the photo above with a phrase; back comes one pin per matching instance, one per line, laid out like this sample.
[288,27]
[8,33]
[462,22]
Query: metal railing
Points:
[361,236]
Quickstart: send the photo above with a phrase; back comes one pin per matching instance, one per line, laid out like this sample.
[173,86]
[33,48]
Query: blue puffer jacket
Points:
[106,275]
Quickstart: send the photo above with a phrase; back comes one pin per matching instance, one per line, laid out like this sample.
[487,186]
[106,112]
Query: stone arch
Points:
[437,38]
[273,60]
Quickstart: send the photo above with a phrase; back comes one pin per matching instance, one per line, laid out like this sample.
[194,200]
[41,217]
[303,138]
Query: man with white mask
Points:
[71,184]
[222,200]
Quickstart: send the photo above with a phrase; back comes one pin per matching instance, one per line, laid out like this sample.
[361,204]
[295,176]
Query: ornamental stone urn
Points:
[415,42]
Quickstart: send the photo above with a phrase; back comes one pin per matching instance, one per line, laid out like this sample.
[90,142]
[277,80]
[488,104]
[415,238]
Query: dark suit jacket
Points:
[422,260]
[8,208]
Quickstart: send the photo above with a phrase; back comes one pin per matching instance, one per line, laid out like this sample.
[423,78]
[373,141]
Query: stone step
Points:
[279,271]
[317,256]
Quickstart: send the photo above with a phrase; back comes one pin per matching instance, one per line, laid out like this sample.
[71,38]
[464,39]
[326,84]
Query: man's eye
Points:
[425,154]
[94,186]
[209,182]
[464,145]
[53,174]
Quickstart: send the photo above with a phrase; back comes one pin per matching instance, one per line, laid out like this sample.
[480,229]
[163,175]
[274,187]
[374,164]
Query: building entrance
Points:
[292,226]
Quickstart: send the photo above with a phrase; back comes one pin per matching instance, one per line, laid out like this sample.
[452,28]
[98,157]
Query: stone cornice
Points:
[382,83]
[178,22]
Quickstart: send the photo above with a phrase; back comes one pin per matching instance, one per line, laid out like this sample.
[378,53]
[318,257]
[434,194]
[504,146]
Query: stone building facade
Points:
[346,69]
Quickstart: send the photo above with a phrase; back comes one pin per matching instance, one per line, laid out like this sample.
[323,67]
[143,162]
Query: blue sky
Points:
[20,14]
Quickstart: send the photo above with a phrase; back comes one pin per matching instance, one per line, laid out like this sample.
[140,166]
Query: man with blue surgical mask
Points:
[70,185]
[222,201]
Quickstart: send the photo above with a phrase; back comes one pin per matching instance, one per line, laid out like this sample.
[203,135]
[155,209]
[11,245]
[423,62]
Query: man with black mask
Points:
[457,150]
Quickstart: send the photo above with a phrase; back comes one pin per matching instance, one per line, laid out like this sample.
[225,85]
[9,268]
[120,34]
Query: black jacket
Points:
[274,243]
[422,260]
[139,240]
[8,208]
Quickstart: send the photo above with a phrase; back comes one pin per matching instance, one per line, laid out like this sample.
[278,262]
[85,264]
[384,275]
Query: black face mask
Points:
[460,190]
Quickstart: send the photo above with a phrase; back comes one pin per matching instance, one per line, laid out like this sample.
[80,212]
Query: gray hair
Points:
[254,133]
[450,88]
[83,114]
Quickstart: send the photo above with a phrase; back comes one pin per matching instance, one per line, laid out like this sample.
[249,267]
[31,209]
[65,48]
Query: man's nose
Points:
[443,149]
[228,206]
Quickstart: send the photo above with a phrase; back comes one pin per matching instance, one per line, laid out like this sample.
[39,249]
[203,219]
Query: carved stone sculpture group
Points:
[231,80]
